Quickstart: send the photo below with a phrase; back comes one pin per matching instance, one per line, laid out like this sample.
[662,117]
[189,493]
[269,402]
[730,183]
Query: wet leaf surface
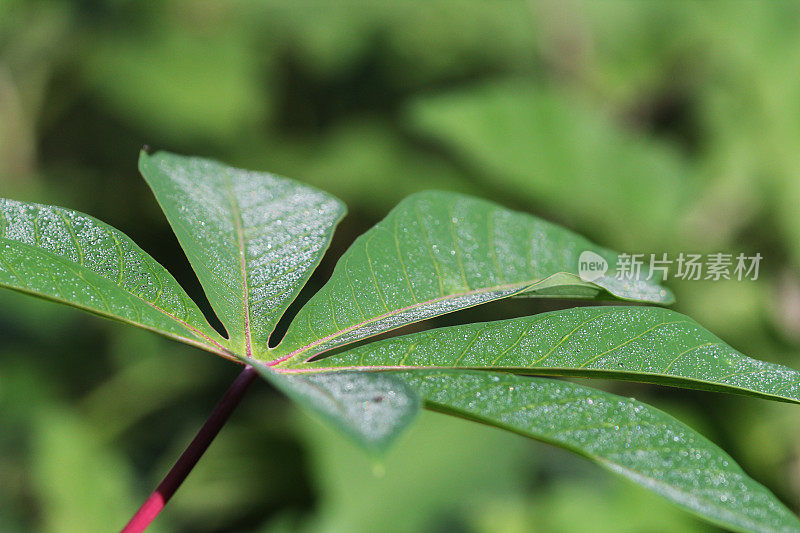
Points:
[254,239]
[438,252]
[649,344]
[72,258]
[627,437]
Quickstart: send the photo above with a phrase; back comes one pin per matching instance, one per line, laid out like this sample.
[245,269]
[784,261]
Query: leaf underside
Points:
[254,238]
[371,407]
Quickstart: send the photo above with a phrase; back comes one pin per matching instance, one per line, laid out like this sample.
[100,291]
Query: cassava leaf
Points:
[371,407]
[72,258]
[437,252]
[252,238]
[648,344]
[627,437]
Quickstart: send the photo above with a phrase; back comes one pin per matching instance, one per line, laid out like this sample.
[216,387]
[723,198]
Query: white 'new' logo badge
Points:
[591,266]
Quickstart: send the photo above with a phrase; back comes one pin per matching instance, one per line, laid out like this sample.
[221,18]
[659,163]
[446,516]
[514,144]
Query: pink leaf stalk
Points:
[159,498]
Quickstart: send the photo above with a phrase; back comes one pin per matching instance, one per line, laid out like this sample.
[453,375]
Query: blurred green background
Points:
[648,126]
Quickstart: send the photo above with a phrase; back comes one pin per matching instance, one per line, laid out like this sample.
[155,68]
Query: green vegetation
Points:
[648,127]
[254,239]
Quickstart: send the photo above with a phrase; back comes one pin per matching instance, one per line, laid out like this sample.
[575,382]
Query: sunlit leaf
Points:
[72,258]
[252,238]
[647,344]
[622,435]
[438,252]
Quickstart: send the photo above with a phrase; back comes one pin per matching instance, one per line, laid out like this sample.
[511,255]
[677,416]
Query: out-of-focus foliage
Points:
[648,126]
[550,150]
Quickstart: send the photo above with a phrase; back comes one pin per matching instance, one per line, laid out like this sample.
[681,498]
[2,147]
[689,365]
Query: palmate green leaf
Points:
[627,437]
[252,238]
[438,252]
[648,344]
[72,258]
